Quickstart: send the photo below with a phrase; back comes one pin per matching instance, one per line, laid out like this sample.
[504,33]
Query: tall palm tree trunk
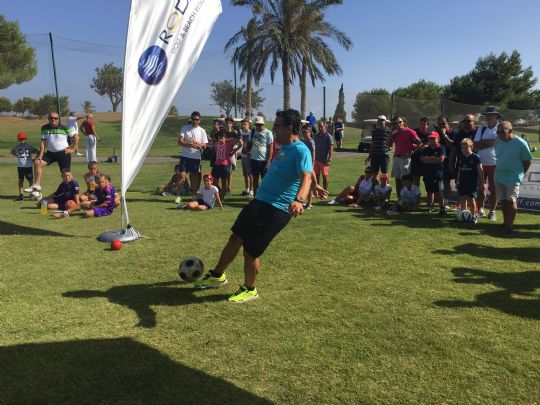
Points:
[303,78]
[248,95]
[285,68]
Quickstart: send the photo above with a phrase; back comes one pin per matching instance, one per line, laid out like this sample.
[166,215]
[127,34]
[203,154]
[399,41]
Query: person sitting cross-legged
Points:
[349,195]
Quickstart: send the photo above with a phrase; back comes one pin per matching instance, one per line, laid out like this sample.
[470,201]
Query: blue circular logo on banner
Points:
[152,65]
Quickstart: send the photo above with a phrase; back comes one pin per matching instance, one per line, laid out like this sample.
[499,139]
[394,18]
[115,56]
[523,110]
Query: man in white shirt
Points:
[484,145]
[71,123]
[193,140]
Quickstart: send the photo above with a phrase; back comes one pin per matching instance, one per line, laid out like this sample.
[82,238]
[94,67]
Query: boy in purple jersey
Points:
[67,190]
[105,199]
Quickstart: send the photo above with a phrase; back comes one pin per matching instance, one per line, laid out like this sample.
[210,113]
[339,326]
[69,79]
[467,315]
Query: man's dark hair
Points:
[424,119]
[195,114]
[291,117]
[229,119]
[66,170]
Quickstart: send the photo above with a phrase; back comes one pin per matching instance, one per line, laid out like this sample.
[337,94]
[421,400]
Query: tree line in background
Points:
[495,80]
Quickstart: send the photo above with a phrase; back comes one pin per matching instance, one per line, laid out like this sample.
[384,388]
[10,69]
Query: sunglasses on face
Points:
[397,122]
[195,119]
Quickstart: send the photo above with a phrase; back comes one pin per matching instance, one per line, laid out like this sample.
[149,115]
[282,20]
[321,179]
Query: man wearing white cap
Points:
[379,151]
[484,144]
[260,151]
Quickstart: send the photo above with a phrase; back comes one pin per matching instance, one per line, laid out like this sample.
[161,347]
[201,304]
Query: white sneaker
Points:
[35,187]
[492,216]
[79,154]
[481,213]
[332,202]
[178,200]
[378,208]
[250,194]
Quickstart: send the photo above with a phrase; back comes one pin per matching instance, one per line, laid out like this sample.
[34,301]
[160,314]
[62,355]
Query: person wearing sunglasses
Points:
[513,161]
[406,142]
[193,140]
[54,137]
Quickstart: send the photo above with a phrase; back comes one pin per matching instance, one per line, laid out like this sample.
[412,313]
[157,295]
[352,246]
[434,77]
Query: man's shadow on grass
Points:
[7,228]
[108,371]
[523,254]
[141,297]
[516,297]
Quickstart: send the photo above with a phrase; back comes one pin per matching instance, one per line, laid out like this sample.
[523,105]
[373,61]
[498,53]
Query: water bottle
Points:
[43,207]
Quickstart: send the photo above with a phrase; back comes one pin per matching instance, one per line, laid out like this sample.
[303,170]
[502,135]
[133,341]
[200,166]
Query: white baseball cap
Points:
[382,117]
[259,120]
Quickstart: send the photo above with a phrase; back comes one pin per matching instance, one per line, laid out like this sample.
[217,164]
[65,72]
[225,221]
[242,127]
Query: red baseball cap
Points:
[21,135]
[383,177]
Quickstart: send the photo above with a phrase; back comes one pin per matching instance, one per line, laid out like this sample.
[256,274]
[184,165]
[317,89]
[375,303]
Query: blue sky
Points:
[396,42]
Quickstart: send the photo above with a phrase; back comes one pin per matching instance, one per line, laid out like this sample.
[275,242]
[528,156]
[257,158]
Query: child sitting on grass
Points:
[104,202]
[409,198]
[206,196]
[171,188]
[382,192]
[350,194]
[91,182]
[364,187]
[469,175]
[67,190]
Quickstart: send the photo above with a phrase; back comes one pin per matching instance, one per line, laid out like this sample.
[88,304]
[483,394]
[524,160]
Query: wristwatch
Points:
[300,200]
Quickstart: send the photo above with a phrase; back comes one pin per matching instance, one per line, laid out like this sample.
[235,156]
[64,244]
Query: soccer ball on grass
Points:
[36,195]
[190,269]
[464,216]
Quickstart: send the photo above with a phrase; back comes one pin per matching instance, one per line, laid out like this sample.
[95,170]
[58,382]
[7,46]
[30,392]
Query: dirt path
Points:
[170,159]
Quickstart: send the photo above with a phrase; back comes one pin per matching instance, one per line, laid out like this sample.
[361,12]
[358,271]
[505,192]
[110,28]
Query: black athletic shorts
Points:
[433,184]
[257,224]
[448,174]
[258,168]
[26,172]
[63,159]
[417,166]
[379,163]
[220,172]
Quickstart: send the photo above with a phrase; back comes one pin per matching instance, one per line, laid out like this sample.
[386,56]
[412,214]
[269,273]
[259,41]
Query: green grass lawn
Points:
[354,307]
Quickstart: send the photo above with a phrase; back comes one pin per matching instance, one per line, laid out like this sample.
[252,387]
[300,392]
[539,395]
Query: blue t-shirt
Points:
[67,191]
[281,182]
[510,157]
[432,170]
[323,143]
[468,170]
[259,144]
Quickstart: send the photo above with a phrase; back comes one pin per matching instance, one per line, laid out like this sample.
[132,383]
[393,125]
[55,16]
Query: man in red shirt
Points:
[406,142]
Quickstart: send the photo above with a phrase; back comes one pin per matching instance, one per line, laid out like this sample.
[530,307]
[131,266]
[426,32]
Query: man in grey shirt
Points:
[324,149]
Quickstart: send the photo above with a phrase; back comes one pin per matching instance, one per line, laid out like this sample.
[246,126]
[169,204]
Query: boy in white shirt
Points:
[382,192]
[409,198]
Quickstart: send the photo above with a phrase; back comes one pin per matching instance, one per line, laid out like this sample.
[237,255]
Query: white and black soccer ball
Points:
[190,269]
[464,216]
[36,195]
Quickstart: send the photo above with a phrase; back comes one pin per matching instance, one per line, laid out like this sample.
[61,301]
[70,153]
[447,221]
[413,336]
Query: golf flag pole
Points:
[164,41]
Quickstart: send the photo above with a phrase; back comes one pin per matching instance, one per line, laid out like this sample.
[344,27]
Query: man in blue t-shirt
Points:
[281,195]
[513,161]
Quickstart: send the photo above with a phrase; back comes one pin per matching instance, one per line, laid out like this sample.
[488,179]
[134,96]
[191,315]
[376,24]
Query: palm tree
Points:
[247,55]
[317,52]
[88,107]
[290,35]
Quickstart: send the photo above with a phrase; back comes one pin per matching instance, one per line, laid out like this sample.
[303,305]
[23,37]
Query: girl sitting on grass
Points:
[104,202]
[206,196]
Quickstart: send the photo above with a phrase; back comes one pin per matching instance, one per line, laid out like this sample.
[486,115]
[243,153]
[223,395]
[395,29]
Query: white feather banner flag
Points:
[164,41]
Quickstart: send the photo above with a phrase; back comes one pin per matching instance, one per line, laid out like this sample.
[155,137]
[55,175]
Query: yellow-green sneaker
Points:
[209,281]
[243,295]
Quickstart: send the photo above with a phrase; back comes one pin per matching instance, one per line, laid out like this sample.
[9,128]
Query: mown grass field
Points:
[354,307]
